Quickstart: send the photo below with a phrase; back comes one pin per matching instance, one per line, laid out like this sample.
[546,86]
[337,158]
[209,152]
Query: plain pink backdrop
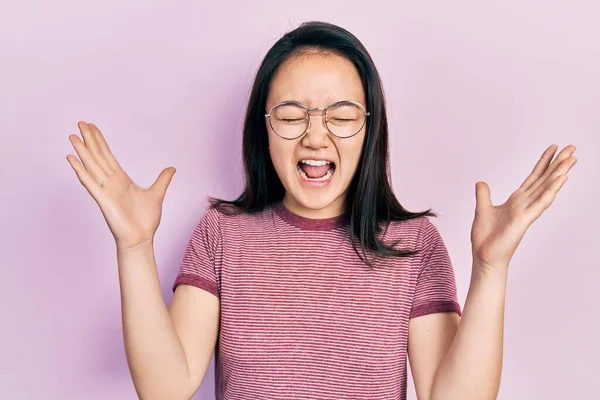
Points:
[475,90]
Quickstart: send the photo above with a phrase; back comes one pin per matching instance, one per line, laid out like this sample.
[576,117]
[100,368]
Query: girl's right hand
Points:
[131,212]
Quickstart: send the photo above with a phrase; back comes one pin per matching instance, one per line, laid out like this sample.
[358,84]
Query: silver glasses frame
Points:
[308,110]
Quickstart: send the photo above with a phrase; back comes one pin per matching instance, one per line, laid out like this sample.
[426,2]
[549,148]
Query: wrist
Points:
[140,247]
[487,273]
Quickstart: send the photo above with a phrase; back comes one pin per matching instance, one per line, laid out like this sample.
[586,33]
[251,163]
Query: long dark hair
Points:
[370,200]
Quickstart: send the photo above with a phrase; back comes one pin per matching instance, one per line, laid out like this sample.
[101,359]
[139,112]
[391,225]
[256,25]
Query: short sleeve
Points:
[436,284]
[198,267]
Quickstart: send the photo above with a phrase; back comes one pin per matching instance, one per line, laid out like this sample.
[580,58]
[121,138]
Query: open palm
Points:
[498,230]
[132,212]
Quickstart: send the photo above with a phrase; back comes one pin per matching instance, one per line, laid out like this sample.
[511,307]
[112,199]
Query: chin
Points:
[313,201]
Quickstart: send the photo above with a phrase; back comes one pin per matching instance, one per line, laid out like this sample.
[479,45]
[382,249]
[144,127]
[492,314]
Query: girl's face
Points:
[316,80]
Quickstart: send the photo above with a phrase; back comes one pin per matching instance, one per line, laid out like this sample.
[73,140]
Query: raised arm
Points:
[168,349]
[463,360]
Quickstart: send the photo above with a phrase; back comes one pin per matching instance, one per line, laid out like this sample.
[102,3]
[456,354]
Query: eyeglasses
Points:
[291,119]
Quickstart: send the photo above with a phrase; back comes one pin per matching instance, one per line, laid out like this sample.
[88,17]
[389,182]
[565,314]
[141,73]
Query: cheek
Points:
[274,152]
[351,156]
[281,155]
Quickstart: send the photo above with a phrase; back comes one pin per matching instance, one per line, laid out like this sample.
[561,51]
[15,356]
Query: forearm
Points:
[156,358]
[473,365]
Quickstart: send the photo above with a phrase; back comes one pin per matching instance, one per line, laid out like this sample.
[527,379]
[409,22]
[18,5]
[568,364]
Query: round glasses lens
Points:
[289,120]
[345,119]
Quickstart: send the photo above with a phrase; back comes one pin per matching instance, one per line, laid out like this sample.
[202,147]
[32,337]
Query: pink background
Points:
[475,92]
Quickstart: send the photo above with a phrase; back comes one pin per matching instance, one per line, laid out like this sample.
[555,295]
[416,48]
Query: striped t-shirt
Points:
[302,317]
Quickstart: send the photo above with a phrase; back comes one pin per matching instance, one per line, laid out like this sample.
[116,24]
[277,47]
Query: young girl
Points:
[315,283]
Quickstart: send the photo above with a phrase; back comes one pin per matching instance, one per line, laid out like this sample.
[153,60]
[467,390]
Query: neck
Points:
[331,210]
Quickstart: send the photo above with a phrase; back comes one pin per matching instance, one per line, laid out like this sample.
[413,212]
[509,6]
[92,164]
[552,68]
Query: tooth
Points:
[315,162]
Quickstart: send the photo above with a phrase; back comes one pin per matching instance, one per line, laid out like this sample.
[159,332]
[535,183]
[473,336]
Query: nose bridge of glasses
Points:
[323,111]
[315,109]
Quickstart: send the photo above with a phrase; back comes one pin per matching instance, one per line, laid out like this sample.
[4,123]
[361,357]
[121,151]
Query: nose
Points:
[317,134]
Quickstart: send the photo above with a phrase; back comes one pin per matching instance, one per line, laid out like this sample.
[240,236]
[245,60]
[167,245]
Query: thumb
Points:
[162,182]
[482,195]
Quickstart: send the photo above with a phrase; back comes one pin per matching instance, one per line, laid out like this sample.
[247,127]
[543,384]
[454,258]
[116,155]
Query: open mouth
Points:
[316,170]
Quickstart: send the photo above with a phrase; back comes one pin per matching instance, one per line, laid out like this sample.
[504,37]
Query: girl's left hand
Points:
[498,230]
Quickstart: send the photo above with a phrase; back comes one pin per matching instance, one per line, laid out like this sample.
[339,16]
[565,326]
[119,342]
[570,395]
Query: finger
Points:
[482,195]
[105,149]
[162,182]
[540,167]
[89,138]
[85,178]
[549,175]
[562,169]
[546,199]
[86,158]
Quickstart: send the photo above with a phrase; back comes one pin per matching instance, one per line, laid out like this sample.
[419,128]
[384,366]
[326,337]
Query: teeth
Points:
[315,163]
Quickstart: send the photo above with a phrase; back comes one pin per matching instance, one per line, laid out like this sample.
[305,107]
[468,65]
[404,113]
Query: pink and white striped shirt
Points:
[302,317]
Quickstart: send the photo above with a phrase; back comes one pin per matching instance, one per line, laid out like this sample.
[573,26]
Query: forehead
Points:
[316,80]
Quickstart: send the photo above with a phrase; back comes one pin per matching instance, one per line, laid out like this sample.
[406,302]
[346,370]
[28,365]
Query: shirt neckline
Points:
[310,224]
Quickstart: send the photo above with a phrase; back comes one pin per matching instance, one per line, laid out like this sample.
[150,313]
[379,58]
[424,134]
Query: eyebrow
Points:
[307,106]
